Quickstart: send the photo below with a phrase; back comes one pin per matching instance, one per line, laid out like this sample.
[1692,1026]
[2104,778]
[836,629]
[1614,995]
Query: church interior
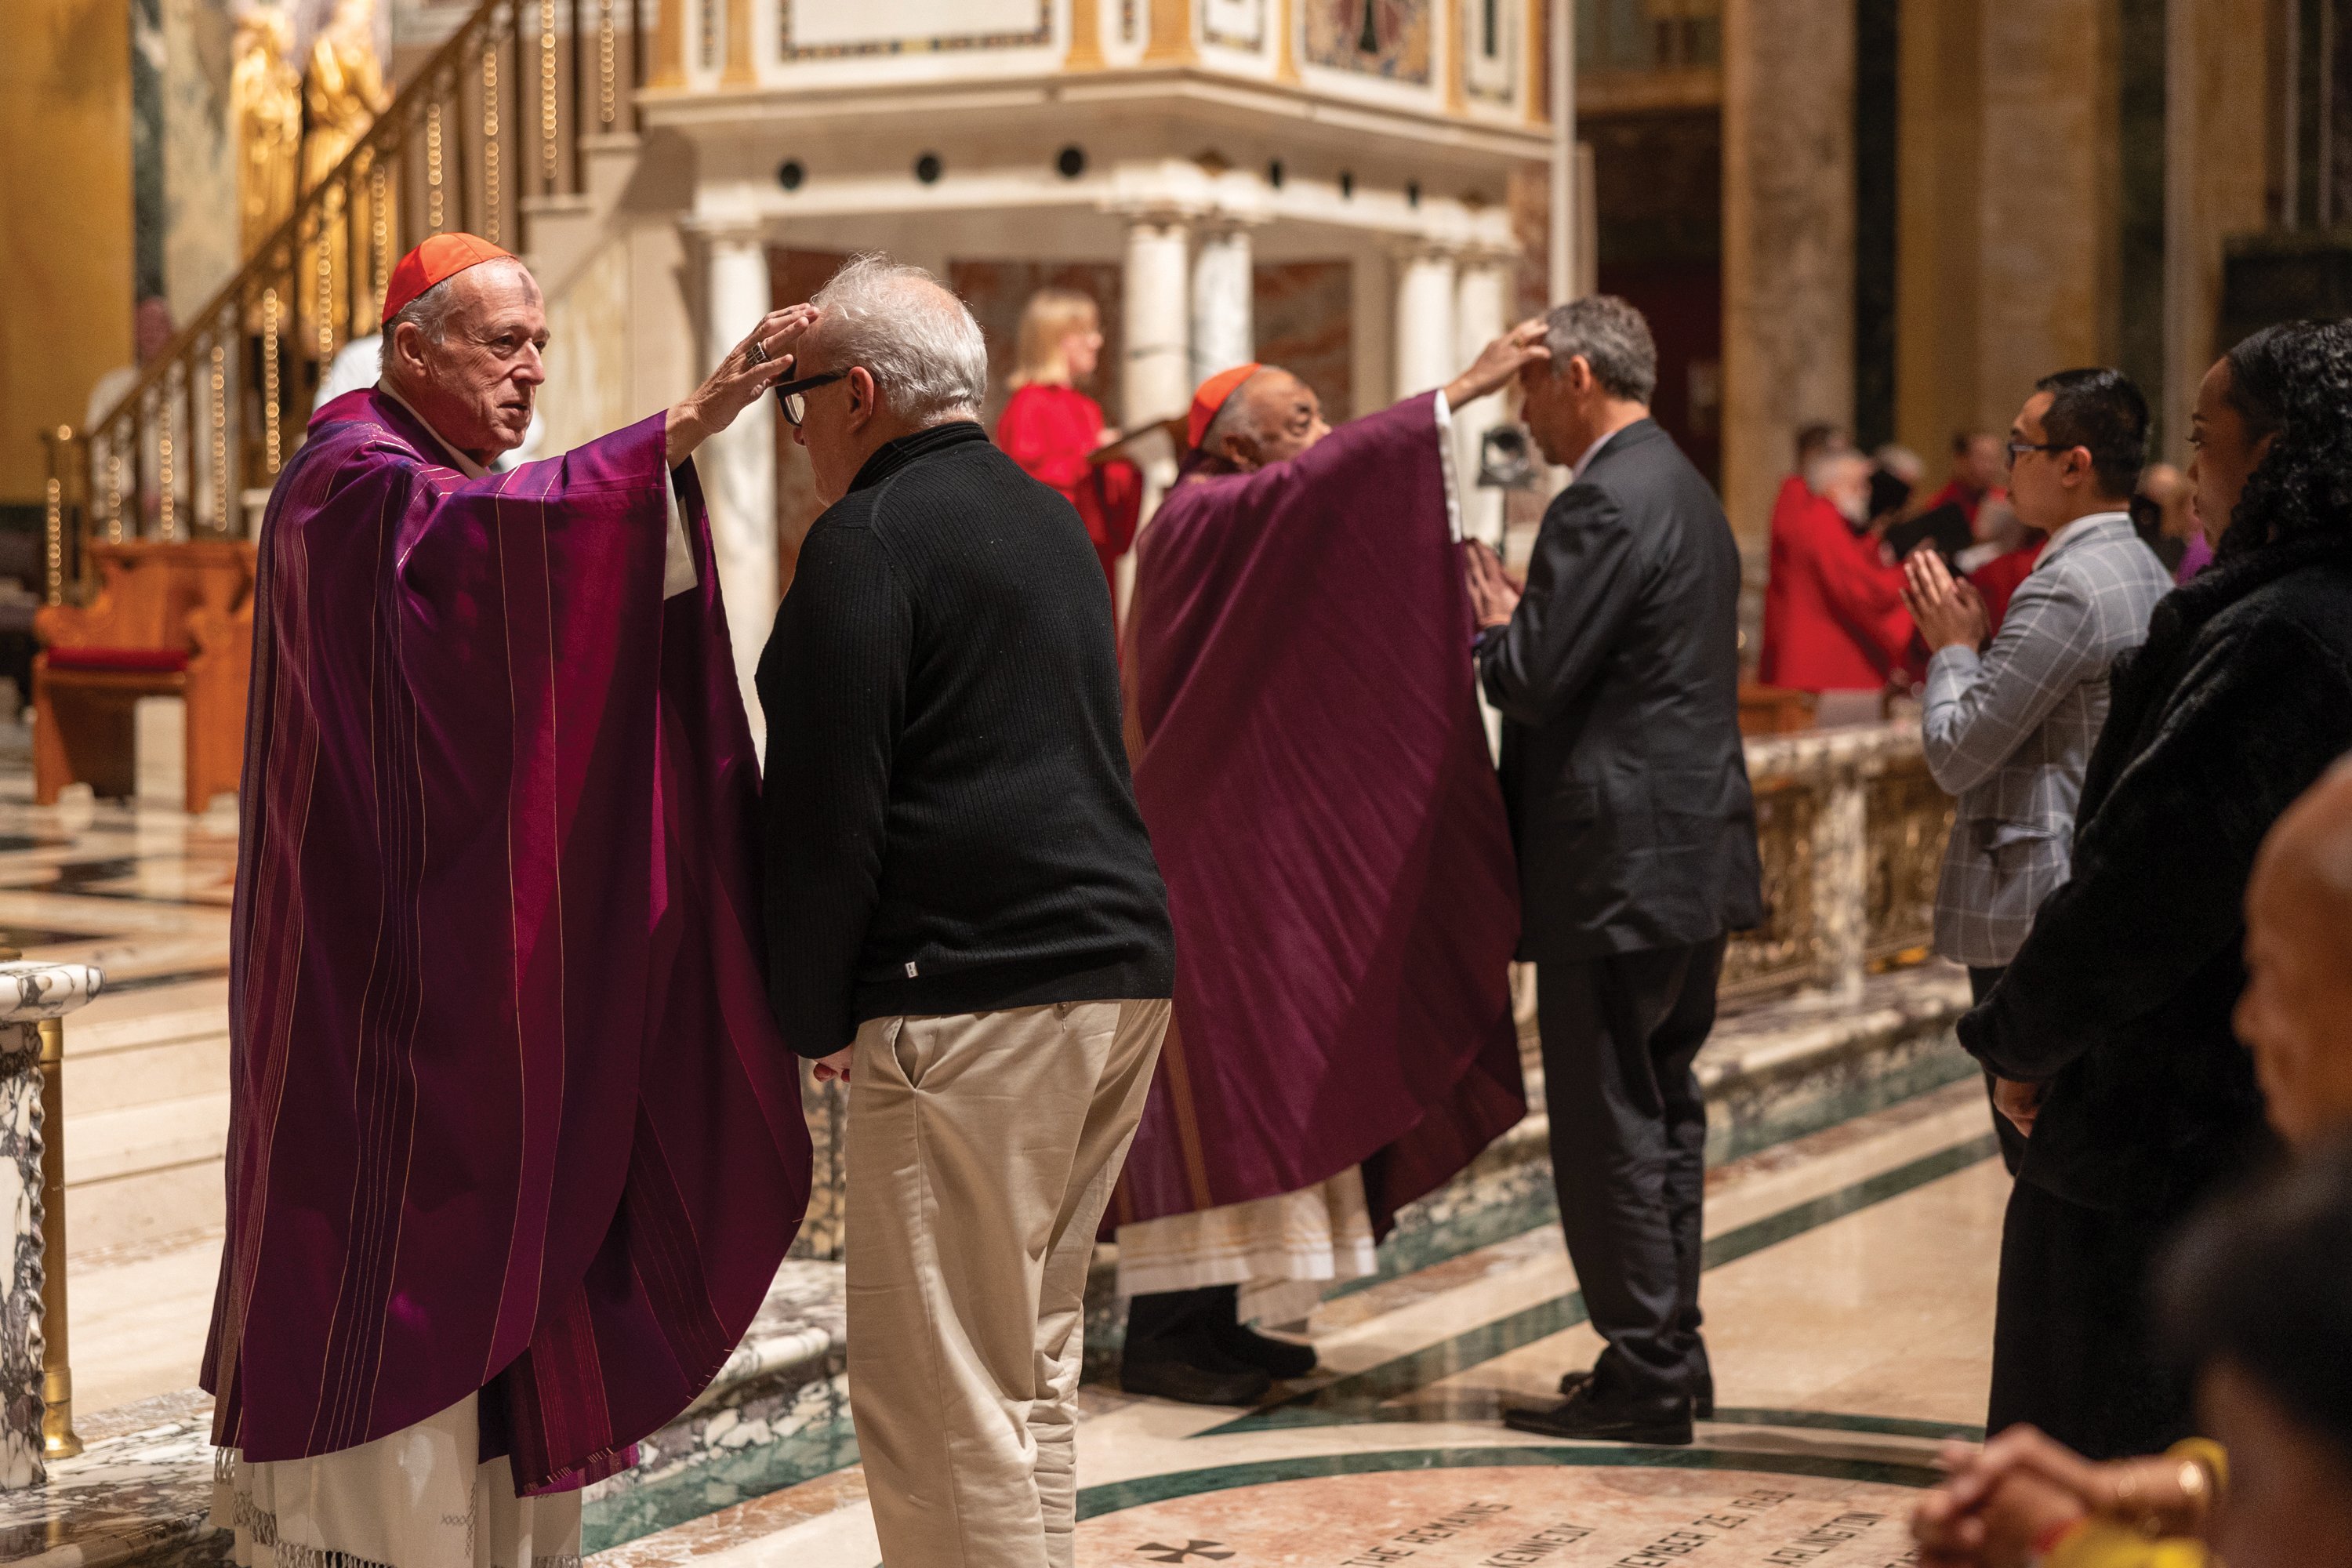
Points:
[1889,216]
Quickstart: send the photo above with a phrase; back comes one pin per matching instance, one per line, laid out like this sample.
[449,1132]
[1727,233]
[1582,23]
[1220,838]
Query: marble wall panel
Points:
[1302,312]
[199,153]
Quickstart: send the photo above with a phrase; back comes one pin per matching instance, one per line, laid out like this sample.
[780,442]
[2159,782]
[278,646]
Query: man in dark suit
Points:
[1617,674]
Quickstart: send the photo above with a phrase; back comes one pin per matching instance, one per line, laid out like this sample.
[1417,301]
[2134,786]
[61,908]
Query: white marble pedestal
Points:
[30,995]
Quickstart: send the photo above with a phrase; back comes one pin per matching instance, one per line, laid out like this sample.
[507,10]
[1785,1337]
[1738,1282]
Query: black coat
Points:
[1618,682]
[2121,998]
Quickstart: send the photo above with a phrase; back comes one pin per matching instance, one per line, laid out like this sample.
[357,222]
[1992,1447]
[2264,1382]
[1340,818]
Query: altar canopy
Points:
[511,1112]
[1310,761]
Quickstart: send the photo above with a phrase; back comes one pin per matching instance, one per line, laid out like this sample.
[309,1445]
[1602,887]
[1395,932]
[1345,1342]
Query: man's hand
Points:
[1493,596]
[739,380]
[835,1065]
[2021,1102]
[1950,611]
[1497,363]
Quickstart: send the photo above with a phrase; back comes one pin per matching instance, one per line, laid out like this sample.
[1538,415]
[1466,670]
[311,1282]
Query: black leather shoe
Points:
[1609,1419]
[1275,1358]
[1702,1396]
[1192,1383]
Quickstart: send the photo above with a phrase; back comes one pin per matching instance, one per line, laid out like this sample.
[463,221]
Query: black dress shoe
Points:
[1608,1418]
[1702,1394]
[1275,1358]
[1209,1380]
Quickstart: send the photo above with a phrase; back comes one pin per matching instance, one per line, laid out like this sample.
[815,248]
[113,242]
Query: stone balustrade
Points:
[33,996]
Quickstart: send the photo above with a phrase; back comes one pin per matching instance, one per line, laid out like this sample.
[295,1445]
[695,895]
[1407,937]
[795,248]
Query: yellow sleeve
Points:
[2097,1543]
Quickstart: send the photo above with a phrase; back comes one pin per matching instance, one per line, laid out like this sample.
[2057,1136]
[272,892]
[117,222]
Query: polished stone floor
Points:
[1849,1298]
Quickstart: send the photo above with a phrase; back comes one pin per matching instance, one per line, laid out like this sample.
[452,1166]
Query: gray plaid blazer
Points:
[2009,731]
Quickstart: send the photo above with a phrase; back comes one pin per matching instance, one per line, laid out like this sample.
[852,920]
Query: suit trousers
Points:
[982,1148]
[1620,1039]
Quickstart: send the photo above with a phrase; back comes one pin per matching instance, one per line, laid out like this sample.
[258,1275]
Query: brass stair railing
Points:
[500,114]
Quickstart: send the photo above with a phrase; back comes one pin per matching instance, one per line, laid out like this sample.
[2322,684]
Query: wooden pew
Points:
[171,619]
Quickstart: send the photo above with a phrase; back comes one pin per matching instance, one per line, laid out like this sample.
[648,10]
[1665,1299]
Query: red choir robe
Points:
[508,1110]
[1833,614]
[1310,761]
[1955,493]
[1997,581]
[1051,431]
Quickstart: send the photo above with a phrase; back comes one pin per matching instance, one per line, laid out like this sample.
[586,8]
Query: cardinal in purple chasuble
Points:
[1310,760]
[512,1133]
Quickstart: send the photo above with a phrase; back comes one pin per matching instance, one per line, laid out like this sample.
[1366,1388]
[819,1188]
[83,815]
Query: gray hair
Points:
[1238,415]
[431,310]
[1612,339]
[914,337]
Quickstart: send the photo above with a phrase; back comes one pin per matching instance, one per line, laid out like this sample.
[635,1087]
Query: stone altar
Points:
[30,994]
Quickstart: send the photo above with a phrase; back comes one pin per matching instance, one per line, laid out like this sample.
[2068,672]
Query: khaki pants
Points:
[982,1150]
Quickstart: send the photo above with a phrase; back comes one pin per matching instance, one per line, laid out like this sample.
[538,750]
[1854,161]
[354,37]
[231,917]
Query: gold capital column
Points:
[1085,53]
[739,71]
[57,1438]
[669,44]
[1171,33]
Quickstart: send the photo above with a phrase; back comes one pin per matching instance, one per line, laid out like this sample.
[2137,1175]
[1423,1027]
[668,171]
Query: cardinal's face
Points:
[482,377]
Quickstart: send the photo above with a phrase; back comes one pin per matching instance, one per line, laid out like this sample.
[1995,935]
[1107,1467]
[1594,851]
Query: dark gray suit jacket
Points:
[1618,680]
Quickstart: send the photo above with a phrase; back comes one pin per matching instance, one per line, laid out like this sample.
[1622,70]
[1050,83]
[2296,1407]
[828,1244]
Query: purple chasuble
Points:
[508,1110]
[1309,758]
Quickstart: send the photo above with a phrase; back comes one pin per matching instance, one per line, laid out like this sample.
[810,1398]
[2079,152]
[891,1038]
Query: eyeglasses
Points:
[2018,448]
[790,393]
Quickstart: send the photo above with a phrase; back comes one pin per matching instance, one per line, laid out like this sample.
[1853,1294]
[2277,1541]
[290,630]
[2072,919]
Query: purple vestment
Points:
[1310,761]
[508,1110]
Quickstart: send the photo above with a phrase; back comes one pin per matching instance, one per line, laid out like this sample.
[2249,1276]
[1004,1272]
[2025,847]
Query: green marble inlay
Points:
[1365,1396]
[721,1479]
[1875,1425]
[1117,1496]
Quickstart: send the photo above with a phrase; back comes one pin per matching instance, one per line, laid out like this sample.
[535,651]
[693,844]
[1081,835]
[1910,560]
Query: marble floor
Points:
[1849,1297]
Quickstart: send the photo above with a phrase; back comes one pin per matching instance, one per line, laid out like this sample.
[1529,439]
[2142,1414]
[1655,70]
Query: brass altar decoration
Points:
[265,98]
[494,121]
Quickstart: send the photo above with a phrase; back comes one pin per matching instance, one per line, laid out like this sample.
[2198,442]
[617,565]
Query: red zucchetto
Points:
[1210,398]
[439,259]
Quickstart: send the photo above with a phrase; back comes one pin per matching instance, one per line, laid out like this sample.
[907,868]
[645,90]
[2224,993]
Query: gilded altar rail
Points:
[495,121]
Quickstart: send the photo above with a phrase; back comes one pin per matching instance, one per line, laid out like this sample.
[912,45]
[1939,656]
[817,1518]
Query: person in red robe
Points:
[514,1148]
[1053,429]
[1310,761]
[1997,581]
[1833,613]
[1979,462]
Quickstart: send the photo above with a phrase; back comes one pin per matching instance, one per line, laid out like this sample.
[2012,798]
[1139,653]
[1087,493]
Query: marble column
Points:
[1155,318]
[1424,336]
[1223,330]
[29,994]
[738,465]
[1788,240]
[1480,311]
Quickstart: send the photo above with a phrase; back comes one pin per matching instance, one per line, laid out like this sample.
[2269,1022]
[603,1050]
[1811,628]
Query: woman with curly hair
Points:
[2112,1023]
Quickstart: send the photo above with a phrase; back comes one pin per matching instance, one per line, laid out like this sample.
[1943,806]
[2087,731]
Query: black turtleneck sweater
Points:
[950,824]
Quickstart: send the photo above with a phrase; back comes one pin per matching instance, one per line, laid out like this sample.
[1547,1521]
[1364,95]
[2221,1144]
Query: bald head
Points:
[465,355]
[2296,1013]
[1270,417]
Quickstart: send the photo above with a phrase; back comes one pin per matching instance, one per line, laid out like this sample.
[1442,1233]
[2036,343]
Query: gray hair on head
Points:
[914,337]
[1611,337]
[431,310]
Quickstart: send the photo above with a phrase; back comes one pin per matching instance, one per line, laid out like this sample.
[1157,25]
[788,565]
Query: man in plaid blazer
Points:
[2009,728]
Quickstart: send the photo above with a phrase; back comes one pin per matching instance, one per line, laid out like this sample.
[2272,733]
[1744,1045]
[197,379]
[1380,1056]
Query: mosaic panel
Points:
[1235,24]
[1490,51]
[1388,39]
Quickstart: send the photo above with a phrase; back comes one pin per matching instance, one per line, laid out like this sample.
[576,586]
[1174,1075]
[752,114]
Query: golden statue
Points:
[345,90]
[267,95]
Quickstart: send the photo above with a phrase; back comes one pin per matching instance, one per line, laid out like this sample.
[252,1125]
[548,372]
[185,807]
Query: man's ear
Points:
[862,404]
[406,348]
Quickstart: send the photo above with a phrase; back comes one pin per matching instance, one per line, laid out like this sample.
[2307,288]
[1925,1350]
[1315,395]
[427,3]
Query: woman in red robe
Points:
[1053,429]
